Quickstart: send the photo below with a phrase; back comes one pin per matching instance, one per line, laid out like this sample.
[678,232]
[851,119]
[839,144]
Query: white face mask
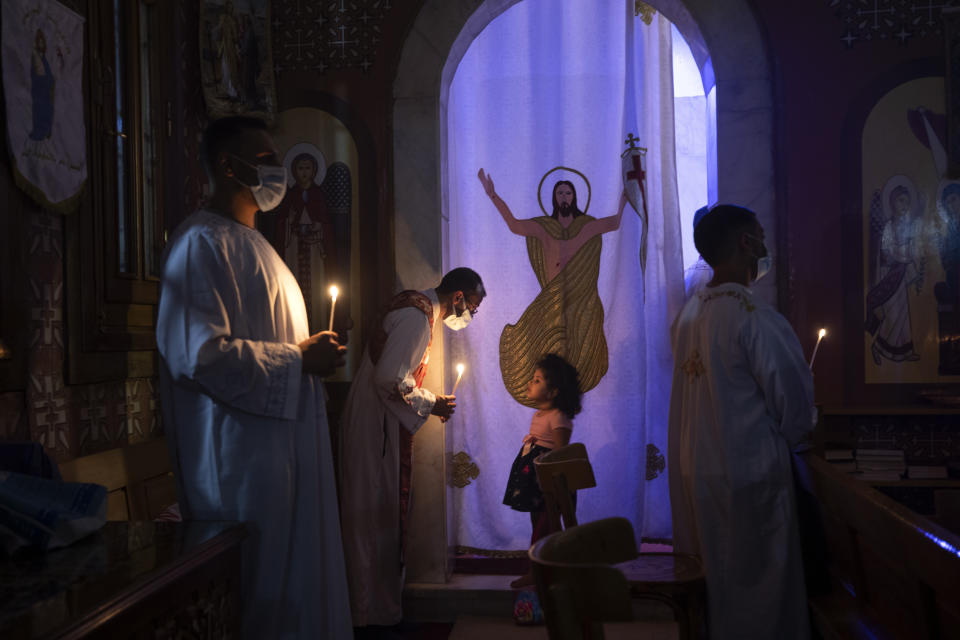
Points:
[765,263]
[268,194]
[763,266]
[460,320]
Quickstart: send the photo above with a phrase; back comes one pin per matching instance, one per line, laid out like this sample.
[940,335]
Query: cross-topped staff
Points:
[634,173]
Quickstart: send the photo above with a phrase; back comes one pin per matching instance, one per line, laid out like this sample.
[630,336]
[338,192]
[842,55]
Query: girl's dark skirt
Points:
[523,491]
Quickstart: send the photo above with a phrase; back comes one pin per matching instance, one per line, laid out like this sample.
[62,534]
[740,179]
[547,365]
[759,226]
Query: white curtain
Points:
[550,83]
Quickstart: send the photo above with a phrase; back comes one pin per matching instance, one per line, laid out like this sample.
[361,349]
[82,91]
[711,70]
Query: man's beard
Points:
[565,209]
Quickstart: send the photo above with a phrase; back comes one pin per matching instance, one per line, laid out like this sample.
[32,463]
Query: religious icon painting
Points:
[42,83]
[236,63]
[315,228]
[911,240]
[566,317]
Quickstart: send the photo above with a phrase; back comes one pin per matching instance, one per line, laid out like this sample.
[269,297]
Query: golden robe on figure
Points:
[566,318]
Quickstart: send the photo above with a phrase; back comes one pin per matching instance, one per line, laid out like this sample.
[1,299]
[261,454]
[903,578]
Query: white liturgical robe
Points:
[383,399]
[742,397]
[247,429]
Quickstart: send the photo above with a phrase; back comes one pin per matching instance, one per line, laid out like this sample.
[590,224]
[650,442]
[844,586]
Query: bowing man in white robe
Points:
[742,397]
[242,398]
[385,406]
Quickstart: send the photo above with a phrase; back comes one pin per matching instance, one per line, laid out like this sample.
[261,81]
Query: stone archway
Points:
[726,42]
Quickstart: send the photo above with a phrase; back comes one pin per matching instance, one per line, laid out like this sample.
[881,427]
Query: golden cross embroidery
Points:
[693,366]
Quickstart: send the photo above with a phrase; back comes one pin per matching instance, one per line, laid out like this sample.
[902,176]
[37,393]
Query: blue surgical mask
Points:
[271,187]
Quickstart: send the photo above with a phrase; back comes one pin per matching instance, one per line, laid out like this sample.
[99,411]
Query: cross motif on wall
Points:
[298,44]
[332,34]
[930,7]
[875,12]
[905,21]
[343,42]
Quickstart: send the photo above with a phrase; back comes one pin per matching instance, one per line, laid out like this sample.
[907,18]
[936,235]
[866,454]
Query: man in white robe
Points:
[742,397]
[385,407]
[242,398]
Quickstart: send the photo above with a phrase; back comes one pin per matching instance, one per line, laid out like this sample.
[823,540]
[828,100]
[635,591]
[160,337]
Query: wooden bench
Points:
[891,573]
[137,477]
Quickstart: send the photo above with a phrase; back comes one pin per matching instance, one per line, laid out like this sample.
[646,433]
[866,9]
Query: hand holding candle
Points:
[820,335]
[333,303]
[460,369]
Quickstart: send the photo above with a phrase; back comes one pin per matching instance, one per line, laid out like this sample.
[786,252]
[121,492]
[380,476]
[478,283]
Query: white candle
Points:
[820,335]
[333,303]
[460,368]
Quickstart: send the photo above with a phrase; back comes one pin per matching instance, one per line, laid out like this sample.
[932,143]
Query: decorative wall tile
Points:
[46,313]
[924,439]
[47,401]
[335,34]
[901,21]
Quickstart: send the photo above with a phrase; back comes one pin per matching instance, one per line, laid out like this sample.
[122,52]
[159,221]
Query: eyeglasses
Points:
[474,309]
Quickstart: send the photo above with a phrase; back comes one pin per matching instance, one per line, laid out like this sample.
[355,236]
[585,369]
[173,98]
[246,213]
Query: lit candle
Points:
[460,368]
[333,303]
[820,335]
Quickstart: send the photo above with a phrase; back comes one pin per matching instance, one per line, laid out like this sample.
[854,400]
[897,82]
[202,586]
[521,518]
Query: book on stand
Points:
[880,465]
[927,472]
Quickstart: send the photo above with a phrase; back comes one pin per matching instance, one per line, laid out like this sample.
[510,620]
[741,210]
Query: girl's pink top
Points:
[543,429]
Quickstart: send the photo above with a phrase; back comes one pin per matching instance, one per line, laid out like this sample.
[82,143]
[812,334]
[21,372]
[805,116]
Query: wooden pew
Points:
[892,573]
[137,477]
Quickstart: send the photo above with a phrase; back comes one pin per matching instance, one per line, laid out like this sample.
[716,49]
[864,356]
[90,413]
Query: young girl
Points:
[555,390]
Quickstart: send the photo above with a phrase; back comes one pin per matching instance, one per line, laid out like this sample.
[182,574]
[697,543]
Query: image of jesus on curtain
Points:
[566,318]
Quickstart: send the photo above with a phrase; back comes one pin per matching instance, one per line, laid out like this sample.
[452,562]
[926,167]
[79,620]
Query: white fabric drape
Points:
[551,83]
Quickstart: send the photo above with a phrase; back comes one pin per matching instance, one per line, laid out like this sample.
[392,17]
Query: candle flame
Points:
[334,291]
[822,333]
[460,369]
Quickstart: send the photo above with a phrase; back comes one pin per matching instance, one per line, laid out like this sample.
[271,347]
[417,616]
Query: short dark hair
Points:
[462,279]
[716,235]
[221,133]
[698,216]
[564,377]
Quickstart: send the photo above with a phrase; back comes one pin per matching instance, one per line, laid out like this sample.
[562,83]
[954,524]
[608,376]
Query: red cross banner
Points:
[635,185]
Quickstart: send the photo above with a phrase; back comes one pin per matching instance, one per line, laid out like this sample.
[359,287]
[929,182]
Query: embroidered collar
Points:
[435,301]
[729,290]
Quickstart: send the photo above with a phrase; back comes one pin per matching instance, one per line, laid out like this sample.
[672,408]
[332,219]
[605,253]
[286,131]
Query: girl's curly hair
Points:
[562,376]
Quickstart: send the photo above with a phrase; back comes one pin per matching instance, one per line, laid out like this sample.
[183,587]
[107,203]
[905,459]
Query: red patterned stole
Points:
[403,300]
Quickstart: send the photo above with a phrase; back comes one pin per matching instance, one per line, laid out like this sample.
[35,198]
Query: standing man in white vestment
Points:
[242,398]
[742,397]
[385,407]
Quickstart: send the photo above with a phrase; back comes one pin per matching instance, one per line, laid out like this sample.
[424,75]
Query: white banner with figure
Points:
[42,43]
